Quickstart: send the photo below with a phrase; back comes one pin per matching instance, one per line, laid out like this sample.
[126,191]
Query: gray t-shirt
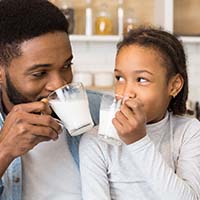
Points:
[163,165]
[50,172]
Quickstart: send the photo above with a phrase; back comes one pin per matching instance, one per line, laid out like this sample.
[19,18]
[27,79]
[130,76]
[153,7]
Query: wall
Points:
[193,55]
[94,56]
[99,56]
[187,12]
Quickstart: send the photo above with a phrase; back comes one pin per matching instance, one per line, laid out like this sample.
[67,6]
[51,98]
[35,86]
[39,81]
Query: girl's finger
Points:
[136,107]
[121,118]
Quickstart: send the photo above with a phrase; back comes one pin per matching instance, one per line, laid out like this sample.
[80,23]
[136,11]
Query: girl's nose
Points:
[129,95]
[129,92]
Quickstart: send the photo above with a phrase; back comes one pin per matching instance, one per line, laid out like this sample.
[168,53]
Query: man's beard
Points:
[14,95]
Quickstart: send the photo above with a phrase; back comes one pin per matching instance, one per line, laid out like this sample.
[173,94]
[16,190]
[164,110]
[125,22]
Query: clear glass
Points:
[107,132]
[66,6]
[70,103]
[130,21]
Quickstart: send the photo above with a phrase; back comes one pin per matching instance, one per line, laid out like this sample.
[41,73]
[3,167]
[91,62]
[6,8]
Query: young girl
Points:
[160,157]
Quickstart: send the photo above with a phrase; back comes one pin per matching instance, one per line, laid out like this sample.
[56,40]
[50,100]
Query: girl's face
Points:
[140,74]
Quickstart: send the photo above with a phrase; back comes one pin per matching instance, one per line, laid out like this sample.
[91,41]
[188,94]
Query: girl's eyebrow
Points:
[143,71]
[137,71]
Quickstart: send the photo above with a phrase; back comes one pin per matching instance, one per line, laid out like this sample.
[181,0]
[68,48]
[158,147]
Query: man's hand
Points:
[130,121]
[25,127]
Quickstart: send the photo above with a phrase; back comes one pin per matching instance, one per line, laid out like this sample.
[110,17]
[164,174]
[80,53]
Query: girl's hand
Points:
[130,121]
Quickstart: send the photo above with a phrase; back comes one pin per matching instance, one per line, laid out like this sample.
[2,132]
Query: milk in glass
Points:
[66,110]
[107,131]
[106,127]
[70,103]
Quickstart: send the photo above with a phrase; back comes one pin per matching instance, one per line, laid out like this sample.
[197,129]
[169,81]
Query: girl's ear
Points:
[175,85]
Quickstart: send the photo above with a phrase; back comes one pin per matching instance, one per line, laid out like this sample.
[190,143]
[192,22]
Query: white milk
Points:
[74,114]
[106,128]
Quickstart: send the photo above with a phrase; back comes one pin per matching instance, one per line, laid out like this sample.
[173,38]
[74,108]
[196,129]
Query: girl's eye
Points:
[119,78]
[39,74]
[142,80]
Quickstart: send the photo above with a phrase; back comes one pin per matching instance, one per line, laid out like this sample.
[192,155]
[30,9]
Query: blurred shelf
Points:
[95,38]
[117,38]
[190,39]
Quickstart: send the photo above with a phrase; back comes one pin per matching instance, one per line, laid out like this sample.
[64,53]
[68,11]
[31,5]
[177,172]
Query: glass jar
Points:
[103,22]
[88,18]
[120,17]
[67,8]
[130,21]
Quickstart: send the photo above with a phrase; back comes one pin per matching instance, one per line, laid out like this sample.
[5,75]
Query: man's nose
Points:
[55,82]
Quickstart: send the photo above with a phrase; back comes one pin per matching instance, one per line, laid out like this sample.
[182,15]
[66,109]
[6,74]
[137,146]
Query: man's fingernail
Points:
[44,100]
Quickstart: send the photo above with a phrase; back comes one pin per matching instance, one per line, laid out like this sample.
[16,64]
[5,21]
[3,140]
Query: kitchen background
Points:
[97,26]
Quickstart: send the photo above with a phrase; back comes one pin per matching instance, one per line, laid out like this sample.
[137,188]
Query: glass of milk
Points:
[70,103]
[107,132]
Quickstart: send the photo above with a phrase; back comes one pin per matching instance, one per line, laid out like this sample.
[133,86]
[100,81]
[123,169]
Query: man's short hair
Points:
[21,20]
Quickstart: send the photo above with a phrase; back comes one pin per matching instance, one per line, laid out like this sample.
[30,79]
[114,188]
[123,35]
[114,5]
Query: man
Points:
[36,161]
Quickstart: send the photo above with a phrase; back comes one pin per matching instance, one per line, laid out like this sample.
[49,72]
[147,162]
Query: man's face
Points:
[45,65]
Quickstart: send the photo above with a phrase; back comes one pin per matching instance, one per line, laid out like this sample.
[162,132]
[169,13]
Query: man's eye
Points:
[119,78]
[39,74]
[68,65]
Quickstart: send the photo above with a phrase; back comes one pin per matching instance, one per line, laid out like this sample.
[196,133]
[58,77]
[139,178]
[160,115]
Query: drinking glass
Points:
[70,103]
[107,132]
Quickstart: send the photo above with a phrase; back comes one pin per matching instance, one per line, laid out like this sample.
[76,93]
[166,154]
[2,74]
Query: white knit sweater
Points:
[164,165]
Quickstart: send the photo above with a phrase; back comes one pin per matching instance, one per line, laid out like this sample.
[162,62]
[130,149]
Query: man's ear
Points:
[1,73]
[175,85]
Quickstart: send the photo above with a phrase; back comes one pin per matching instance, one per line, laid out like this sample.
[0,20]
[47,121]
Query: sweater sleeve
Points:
[93,170]
[166,184]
